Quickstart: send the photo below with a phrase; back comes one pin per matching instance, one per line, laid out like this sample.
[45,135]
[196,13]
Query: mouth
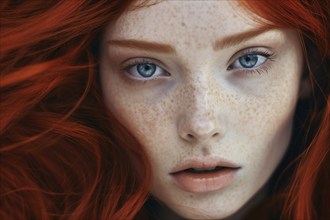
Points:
[204,170]
[203,175]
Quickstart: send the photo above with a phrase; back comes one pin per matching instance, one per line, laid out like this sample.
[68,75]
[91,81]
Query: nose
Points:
[199,129]
[200,120]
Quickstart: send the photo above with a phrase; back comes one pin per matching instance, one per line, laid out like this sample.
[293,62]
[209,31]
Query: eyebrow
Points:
[144,45]
[225,42]
[235,39]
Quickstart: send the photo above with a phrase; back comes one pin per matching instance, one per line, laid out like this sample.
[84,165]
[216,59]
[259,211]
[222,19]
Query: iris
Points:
[249,60]
[146,69]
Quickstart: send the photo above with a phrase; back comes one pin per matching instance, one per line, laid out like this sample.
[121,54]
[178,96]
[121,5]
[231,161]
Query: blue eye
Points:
[248,61]
[144,69]
[252,59]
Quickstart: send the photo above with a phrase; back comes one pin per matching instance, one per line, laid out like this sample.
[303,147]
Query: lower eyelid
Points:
[262,69]
[259,71]
[131,79]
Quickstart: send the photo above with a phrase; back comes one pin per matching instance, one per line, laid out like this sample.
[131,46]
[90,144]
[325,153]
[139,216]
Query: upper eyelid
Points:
[133,60]
[250,50]
[241,52]
[246,51]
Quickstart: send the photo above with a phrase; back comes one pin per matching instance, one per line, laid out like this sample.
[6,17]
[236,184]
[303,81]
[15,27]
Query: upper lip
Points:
[203,163]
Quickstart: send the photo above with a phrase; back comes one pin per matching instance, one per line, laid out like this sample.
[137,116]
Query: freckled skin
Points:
[251,114]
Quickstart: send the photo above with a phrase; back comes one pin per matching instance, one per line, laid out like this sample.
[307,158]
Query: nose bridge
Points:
[200,99]
[202,96]
[200,81]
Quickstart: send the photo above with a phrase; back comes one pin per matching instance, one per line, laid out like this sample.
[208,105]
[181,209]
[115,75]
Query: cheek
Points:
[145,120]
[267,127]
[151,126]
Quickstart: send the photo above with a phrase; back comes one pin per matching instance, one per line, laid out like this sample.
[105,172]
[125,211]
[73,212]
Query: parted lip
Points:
[203,163]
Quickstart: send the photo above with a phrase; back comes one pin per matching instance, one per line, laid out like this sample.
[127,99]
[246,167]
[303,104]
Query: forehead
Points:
[183,20]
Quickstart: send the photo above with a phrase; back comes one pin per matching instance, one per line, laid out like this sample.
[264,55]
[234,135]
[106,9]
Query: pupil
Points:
[146,69]
[248,61]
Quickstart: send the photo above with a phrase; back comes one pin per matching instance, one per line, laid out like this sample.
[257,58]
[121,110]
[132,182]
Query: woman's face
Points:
[209,93]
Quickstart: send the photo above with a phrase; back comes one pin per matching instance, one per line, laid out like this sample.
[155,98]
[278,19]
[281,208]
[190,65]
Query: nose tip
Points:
[199,130]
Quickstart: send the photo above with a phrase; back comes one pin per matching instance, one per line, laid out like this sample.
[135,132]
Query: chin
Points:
[198,213]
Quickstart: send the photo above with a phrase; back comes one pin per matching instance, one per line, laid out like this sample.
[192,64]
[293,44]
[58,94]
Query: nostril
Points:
[190,136]
[215,134]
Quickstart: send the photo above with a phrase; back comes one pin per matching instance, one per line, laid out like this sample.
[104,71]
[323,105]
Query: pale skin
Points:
[200,101]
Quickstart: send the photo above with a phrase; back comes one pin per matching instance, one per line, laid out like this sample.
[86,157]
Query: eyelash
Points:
[136,62]
[269,56]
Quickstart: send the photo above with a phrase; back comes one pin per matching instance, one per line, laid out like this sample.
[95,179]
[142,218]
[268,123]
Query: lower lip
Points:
[204,182]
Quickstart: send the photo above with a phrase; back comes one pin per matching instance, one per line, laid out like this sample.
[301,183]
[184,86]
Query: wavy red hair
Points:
[307,196]
[64,156]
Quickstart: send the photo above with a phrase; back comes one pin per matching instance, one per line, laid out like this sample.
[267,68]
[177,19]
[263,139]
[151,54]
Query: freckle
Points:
[187,43]
[183,24]
[205,151]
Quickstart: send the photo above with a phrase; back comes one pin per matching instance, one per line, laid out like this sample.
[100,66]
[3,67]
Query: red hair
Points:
[307,195]
[63,155]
